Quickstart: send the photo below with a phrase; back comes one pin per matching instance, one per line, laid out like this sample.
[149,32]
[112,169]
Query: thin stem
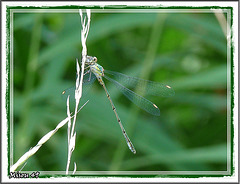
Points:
[222,21]
[79,82]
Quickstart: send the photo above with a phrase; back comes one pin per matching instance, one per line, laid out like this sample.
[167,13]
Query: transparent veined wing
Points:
[140,101]
[144,86]
[88,80]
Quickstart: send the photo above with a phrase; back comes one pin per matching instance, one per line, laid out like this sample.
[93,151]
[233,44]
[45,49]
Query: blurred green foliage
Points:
[187,51]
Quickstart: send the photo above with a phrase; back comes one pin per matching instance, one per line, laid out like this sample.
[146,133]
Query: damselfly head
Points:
[91,59]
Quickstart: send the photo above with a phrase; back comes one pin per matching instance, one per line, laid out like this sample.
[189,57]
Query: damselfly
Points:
[95,71]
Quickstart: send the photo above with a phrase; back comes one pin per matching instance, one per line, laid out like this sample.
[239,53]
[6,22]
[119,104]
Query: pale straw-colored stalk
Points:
[44,139]
[78,95]
[78,91]
[219,13]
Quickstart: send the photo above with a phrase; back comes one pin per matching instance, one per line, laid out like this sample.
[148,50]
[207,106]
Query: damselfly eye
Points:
[95,59]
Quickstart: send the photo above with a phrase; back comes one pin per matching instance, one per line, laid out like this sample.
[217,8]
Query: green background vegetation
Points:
[187,51]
